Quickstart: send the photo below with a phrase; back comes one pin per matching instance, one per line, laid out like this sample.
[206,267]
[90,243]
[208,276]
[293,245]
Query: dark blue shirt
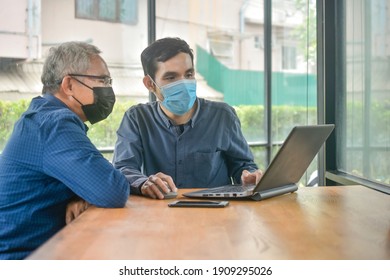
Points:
[208,151]
[47,161]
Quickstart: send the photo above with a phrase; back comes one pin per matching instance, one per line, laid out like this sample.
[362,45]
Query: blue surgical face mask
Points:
[179,96]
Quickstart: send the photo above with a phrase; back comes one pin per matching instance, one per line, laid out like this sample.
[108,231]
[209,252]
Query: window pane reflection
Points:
[228,40]
[365,148]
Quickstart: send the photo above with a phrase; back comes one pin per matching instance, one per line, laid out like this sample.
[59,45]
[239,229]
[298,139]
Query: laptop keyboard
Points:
[228,189]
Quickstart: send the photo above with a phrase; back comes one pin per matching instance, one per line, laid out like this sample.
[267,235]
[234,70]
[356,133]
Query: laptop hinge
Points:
[274,192]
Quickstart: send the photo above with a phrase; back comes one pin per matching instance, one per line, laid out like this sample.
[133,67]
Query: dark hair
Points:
[161,51]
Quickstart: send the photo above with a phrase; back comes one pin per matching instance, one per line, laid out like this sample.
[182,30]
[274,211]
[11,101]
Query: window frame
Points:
[331,45]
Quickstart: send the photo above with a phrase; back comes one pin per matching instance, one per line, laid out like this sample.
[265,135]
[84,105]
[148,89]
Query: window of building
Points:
[123,11]
[258,43]
[289,58]
[221,47]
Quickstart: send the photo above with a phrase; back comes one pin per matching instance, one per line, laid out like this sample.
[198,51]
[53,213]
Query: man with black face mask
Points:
[49,161]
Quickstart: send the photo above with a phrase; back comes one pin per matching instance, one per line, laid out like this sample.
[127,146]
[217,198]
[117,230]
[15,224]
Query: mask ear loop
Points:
[154,82]
[77,101]
[83,85]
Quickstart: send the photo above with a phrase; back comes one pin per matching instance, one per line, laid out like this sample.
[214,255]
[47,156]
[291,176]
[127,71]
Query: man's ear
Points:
[67,85]
[148,83]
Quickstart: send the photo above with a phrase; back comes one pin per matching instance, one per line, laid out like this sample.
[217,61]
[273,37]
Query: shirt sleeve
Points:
[70,157]
[238,154]
[128,153]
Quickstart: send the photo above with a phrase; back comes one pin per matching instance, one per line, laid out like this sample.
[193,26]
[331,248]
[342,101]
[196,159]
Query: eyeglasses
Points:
[107,80]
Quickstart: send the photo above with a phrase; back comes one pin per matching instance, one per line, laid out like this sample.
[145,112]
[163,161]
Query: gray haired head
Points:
[65,59]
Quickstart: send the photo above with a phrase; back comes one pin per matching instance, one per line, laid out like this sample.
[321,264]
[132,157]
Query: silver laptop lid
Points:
[285,170]
[294,157]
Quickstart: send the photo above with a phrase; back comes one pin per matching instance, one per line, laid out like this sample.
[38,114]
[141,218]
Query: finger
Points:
[168,182]
[86,206]
[157,191]
[244,175]
[259,174]
[148,192]
[162,185]
[151,190]
[69,217]
[159,184]
[249,178]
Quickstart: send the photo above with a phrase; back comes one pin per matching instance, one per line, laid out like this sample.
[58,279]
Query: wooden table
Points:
[346,222]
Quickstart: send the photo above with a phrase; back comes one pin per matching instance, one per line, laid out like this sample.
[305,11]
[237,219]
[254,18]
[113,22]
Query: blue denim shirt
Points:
[47,161]
[209,151]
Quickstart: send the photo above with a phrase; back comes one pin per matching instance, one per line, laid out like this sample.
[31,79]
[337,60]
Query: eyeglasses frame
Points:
[107,80]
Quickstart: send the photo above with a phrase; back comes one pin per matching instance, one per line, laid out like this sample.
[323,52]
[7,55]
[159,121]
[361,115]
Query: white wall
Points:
[20,29]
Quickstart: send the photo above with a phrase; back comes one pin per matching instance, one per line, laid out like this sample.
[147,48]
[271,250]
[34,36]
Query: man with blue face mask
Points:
[179,97]
[180,141]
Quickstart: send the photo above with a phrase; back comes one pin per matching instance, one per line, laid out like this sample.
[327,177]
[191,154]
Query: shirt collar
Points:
[168,122]
[51,98]
[163,117]
[196,114]
[54,100]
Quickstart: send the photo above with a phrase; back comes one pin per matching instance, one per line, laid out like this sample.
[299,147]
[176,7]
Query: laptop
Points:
[286,169]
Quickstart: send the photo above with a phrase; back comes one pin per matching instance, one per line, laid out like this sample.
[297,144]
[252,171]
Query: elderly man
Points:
[49,160]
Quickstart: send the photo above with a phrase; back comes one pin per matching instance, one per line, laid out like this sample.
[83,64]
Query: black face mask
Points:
[104,100]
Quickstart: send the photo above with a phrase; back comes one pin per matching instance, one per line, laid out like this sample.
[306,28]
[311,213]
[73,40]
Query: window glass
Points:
[294,86]
[228,40]
[124,11]
[364,142]
[86,9]
[107,10]
[48,23]
[128,11]
[289,58]
[294,63]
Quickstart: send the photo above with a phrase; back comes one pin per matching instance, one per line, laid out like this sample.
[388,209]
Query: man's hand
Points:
[75,208]
[152,186]
[253,178]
